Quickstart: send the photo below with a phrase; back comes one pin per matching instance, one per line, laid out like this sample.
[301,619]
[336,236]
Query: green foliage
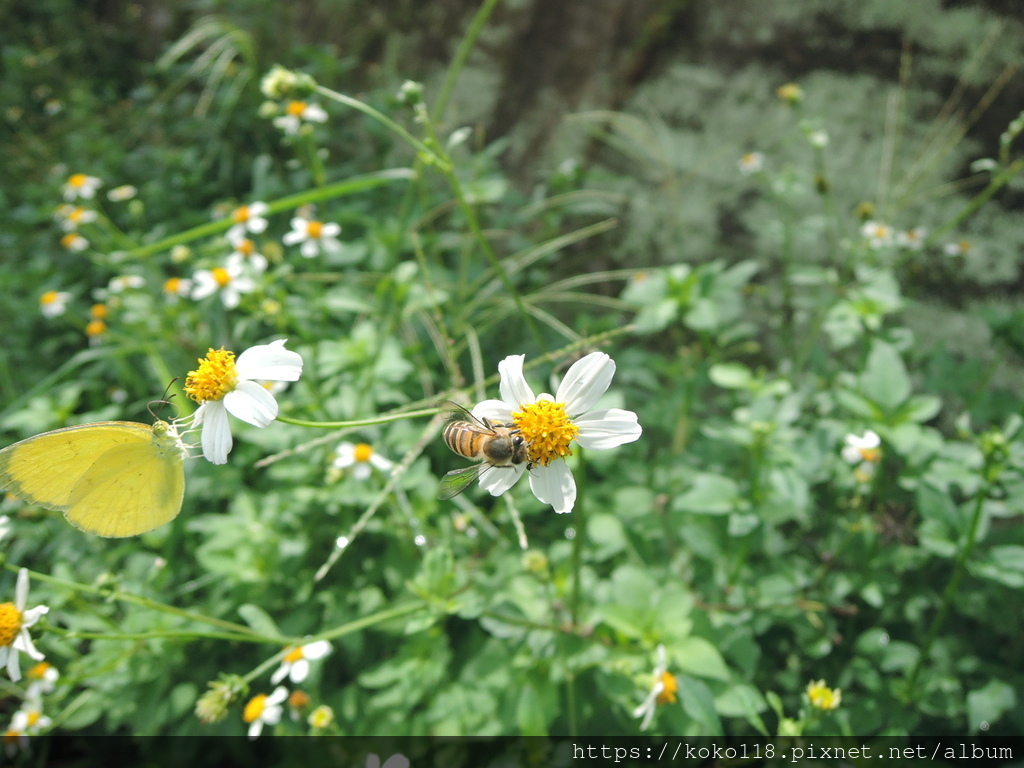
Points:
[823,491]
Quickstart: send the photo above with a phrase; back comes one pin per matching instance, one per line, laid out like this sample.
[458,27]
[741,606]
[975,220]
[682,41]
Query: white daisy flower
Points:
[228,281]
[122,193]
[857,449]
[295,664]
[912,238]
[30,719]
[663,690]
[752,162]
[550,423]
[73,216]
[14,625]
[221,386]
[176,288]
[74,242]
[80,185]
[54,303]
[298,113]
[360,456]
[877,234]
[264,710]
[247,218]
[245,254]
[313,235]
[42,679]
[122,283]
[959,248]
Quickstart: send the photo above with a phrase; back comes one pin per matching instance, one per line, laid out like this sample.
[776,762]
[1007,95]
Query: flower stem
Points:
[359,422]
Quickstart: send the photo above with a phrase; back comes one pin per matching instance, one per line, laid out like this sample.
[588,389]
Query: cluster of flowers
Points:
[266,709]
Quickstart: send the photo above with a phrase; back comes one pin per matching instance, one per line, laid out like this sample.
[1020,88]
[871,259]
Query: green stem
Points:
[577,542]
[359,422]
[951,589]
[461,55]
[997,183]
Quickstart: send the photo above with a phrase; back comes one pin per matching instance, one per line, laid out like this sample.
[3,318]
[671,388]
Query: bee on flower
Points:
[549,424]
[15,621]
[79,185]
[222,385]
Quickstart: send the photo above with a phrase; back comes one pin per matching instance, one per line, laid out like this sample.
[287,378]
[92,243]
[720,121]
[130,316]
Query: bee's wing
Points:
[458,412]
[458,480]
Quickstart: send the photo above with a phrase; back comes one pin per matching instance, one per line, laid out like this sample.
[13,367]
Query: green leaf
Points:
[259,620]
[708,495]
[885,381]
[608,536]
[937,505]
[699,657]
[988,704]
[1004,564]
[730,375]
[920,408]
[700,706]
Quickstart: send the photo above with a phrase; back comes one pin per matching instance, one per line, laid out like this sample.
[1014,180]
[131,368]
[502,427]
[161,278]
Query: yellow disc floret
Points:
[10,623]
[363,452]
[254,708]
[823,697]
[215,377]
[669,686]
[547,430]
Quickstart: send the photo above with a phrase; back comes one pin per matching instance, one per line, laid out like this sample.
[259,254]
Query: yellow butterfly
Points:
[112,478]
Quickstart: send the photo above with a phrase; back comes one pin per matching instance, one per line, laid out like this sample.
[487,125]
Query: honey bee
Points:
[498,446]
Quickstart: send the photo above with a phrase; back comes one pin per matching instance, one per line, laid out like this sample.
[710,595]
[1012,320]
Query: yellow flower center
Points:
[547,430]
[95,328]
[823,697]
[172,285]
[296,108]
[254,708]
[38,671]
[10,623]
[215,377]
[963,246]
[240,215]
[246,247]
[870,454]
[11,736]
[294,655]
[50,297]
[321,717]
[669,686]
[76,215]
[363,452]
[69,240]
[221,276]
[314,229]
[32,719]
[77,180]
[298,700]
[98,311]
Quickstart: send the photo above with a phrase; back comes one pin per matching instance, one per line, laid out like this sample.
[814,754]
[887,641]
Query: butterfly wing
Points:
[44,469]
[130,489]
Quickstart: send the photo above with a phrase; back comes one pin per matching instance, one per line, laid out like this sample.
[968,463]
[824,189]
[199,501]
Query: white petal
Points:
[309,249]
[291,238]
[330,229]
[361,471]
[344,455]
[30,617]
[601,430]
[397,761]
[495,410]
[230,297]
[280,694]
[585,382]
[216,432]
[497,480]
[316,650]
[384,465]
[554,485]
[372,761]
[300,671]
[13,670]
[255,728]
[281,673]
[513,387]
[271,362]
[251,403]
[21,590]
[851,454]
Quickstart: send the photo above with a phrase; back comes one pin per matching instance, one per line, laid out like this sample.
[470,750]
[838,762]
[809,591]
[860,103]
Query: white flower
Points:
[245,254]
[74,242]
[177,287]
[42,679]
[5,526]
[296,114]
[663,690]
[295,664]
[72,216]
[752,162]
[247,218]
[912,238]
[877,234]
[222,386]
[54,303]
[30,719]
[228,281]
[549,424]
[361,457]
[122,193]
[122,283]
[959,248]
[80,185]
[14,624]
[264,710]
[858,449]
[314,235]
